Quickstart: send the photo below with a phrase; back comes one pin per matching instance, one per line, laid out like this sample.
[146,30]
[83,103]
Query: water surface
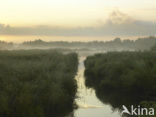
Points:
[89,104]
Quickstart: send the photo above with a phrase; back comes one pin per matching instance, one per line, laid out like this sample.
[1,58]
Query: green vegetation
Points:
[5,45]
[113,45]
[37,83]
[153,48]
[119,78]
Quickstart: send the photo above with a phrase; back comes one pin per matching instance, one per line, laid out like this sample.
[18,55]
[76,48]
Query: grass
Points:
[119,78]
[37,83]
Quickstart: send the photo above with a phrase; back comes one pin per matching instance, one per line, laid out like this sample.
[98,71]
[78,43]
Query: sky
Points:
[22,20]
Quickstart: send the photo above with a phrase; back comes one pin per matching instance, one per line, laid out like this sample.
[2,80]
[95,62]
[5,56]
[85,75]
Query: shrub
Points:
[37,83]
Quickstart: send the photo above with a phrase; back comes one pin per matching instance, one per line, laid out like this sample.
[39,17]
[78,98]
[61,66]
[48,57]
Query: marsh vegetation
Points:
[123,78]
[37,83]
[42,82]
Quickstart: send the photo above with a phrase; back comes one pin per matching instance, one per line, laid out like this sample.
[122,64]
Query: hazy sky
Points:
[82,18]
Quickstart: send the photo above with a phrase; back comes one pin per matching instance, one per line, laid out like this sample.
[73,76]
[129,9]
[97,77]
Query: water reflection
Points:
[116,99]
[128,90]
[89,104]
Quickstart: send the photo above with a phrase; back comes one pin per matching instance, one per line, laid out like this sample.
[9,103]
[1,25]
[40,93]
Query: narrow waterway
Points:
[89,104]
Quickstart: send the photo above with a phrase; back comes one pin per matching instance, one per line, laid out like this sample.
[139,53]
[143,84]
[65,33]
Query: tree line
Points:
[116,44]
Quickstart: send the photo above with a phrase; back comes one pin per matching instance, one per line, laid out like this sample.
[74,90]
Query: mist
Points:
[118,24]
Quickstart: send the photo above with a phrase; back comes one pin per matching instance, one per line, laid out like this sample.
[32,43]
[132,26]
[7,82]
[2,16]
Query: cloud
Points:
[117,17]
[118,24]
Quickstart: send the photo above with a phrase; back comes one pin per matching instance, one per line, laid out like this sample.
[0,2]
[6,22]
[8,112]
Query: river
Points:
[89,105]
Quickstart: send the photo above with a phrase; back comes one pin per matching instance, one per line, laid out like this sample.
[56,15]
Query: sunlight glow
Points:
[70,12]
